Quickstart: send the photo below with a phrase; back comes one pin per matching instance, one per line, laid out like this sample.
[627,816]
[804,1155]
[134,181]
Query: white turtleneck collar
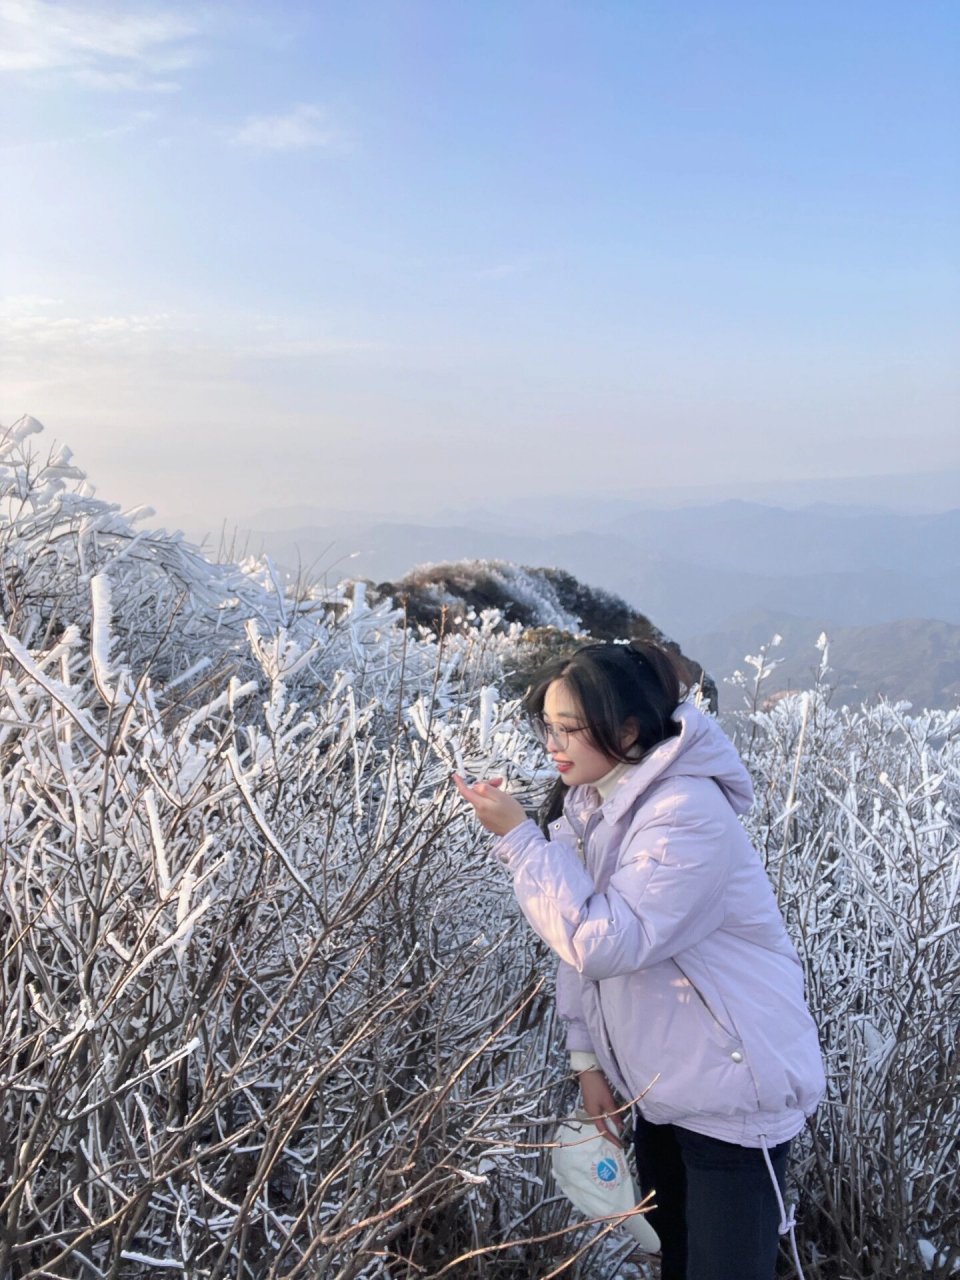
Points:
[606,784]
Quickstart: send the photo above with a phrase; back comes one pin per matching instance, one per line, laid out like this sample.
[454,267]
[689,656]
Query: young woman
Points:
[681,991]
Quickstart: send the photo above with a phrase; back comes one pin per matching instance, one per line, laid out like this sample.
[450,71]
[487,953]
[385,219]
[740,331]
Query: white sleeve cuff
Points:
[580,1060]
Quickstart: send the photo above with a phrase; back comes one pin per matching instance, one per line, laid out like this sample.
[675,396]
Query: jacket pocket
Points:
[727,1033]
[729,1053]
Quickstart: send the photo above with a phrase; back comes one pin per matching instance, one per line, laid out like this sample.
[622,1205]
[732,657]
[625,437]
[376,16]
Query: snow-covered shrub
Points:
[857,816]
[266,1010]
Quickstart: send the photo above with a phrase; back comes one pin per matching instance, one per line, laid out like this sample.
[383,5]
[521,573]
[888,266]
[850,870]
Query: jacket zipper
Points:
[582,851]
[582,837]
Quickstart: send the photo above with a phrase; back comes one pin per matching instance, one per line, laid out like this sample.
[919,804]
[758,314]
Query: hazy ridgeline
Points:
[268,1006]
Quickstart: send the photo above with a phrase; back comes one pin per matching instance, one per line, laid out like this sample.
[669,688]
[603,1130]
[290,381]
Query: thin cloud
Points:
[114,48]
[51,336]
[139,120]
[305,127]
[123,81]
[33,329]
[136,122]
[305,349]
[26,303]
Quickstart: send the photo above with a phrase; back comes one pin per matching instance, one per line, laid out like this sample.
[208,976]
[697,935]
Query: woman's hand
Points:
[600,1104]
[497,812]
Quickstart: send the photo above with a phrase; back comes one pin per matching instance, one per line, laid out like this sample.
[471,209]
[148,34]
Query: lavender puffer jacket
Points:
[675,966]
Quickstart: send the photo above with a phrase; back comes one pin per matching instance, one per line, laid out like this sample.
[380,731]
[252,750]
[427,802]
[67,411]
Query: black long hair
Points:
[614,684]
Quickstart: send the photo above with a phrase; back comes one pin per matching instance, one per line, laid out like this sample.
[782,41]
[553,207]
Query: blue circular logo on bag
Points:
[607,1170]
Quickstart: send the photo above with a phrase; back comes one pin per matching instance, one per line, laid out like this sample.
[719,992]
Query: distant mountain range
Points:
[882,583]
[911,494]
[913,659]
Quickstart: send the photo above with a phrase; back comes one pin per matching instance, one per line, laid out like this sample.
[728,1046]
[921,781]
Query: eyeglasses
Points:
[545,732]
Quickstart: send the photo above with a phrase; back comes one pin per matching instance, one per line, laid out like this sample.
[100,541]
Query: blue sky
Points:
[410,254]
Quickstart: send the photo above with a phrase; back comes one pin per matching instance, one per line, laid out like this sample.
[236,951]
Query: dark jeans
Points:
[716,1214]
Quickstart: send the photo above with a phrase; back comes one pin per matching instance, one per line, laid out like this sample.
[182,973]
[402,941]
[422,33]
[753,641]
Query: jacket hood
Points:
[700,750]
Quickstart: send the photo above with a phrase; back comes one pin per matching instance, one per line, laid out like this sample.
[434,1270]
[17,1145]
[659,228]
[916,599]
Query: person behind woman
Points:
[681,990]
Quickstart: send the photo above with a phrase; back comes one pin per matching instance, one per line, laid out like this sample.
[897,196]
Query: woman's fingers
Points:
[600,1105]
[463,785]
[476,790]
[497,811]
[609,1125]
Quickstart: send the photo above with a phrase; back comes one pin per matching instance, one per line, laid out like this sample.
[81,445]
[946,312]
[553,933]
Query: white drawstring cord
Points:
[788,1220]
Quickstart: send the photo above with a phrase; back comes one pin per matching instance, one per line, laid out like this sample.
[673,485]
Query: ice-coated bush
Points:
[857,816]
[266,1010]
[267,1006]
